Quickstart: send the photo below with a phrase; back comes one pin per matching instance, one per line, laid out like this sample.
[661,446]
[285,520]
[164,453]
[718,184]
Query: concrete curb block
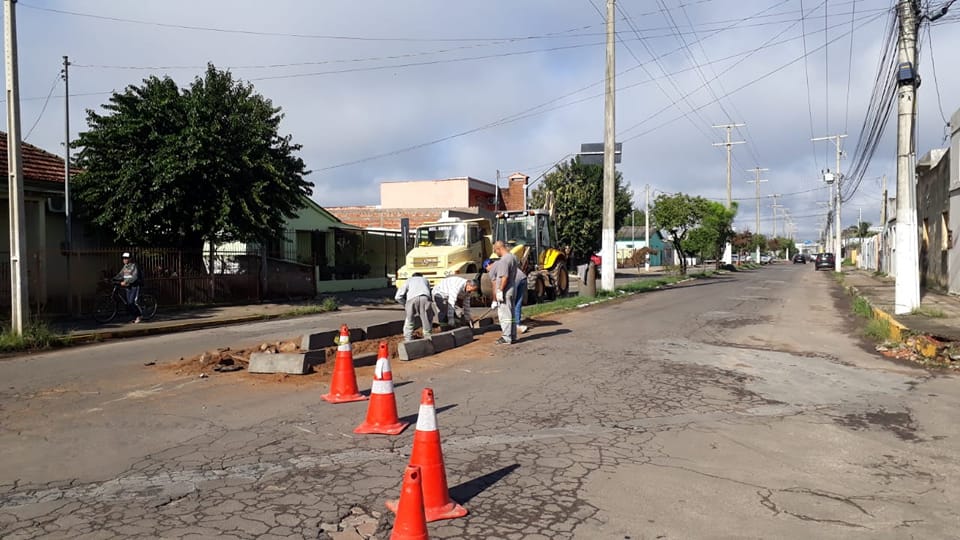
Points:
[411,350]
[387,329]
[320,340]
[462,336]
[444,341]
[484,329]
[290,363]
[898,331]
[363,360]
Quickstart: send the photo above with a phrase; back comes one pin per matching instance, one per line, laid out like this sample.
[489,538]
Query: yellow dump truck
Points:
[448,247]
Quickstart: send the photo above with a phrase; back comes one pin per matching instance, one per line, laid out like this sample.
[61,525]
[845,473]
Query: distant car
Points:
[765,259]
[824,260]
[799,259]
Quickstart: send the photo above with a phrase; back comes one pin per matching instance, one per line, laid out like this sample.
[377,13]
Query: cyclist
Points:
[131,280]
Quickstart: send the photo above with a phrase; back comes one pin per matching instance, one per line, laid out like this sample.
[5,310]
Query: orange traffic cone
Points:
[343,386]
[411,523]
[428,455]
[382,411]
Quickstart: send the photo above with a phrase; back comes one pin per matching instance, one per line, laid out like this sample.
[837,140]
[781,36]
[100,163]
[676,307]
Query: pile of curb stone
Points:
[312,350]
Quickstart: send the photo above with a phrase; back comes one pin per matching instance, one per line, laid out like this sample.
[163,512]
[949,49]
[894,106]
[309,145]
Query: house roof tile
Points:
[38,164]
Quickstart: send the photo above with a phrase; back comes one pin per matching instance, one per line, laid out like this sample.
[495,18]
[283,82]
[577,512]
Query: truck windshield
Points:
[517,230]
[442,235]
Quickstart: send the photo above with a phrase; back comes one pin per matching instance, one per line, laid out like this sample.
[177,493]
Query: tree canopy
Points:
[165,166]
[578,198]
[678,215]
[714,230]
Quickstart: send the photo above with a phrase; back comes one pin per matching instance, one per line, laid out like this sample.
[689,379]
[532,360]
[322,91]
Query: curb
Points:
[141,331]
[924,345]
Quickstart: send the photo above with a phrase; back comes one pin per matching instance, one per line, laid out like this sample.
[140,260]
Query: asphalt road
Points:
[742,406]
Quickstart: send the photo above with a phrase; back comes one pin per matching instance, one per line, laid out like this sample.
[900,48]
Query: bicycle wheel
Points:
[104,308]
[148,305]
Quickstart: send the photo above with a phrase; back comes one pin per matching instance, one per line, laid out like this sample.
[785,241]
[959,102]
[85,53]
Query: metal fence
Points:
[68,282]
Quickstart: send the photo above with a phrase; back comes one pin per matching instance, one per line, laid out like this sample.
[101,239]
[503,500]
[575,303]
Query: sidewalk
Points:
[174,319]
[938,316]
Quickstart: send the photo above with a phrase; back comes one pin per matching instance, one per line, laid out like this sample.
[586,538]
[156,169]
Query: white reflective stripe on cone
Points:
[383,366]
[382,387]
[344,347]
[427,418]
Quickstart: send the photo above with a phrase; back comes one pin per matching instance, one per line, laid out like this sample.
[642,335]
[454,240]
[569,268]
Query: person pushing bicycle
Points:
[131,279]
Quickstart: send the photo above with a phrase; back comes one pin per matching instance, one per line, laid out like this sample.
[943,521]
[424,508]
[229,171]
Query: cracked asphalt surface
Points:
[741,406]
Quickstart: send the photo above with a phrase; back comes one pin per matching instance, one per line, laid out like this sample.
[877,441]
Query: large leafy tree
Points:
[577,191]
[714,230]
[679,215]
[172,167]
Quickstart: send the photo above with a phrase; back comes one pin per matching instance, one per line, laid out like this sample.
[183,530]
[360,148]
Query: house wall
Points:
[451,193]
[953,257]
[933,217]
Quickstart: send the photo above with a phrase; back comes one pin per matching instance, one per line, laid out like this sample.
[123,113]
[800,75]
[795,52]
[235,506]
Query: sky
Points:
[379,90]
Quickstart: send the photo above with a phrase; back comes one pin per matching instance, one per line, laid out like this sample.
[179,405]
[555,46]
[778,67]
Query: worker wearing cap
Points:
[416,299]
[130,279]
[448,293]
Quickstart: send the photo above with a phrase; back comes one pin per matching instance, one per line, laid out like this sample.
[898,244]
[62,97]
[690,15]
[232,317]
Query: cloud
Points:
[359,107]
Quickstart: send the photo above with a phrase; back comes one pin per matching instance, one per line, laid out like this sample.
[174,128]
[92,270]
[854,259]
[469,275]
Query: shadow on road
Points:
[411,418]
[462,493]
[557,332]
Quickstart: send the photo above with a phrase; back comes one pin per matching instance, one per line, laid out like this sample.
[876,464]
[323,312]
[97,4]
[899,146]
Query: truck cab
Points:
[447,247]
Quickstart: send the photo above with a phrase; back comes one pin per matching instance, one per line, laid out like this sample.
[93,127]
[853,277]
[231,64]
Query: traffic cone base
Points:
[447,511]
[411,523]
[343,384]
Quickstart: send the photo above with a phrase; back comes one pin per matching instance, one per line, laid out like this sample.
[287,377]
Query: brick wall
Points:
[388,218]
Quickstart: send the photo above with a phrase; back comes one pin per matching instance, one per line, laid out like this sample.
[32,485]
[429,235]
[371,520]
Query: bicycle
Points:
[106,306]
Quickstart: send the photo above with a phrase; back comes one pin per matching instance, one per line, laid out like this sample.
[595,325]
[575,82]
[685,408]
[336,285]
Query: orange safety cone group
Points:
[382,411]
[428,455]
[411,523]
[343,385]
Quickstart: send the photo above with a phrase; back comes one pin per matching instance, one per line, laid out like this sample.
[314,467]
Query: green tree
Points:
[177,168]
[715,229]
[578,201]
[679,215]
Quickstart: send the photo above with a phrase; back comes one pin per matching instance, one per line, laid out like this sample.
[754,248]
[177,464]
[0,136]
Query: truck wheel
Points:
[561,279]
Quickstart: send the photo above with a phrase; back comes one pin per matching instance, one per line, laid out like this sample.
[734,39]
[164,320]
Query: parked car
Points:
[824,260]
[799,259]
[765,258]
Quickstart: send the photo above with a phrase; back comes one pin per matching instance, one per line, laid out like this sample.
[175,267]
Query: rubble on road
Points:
[927,351]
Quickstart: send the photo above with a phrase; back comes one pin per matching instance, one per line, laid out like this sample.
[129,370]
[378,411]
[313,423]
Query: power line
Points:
[806,74]
[44,108]
[826,73]
[936,83]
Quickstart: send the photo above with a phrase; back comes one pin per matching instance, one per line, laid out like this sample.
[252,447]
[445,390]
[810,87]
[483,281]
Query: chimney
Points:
[517,196]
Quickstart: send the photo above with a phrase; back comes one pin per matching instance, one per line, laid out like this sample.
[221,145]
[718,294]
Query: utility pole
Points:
[66,178]
[646,229]
[907,289]
[775,206]
[728,251]
[837,203]
[609,260]
[860,238]
[758,181]
[19,309]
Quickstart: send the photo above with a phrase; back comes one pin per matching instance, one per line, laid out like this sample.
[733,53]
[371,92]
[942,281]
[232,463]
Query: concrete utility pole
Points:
[728,251]
[837,203]
[609,263]
[775,206]
[646,229]
[66,178]
[758,181]
[19,309]
[907,290]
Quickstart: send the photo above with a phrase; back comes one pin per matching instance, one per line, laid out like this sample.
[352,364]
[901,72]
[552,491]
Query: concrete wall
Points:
[933,206]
